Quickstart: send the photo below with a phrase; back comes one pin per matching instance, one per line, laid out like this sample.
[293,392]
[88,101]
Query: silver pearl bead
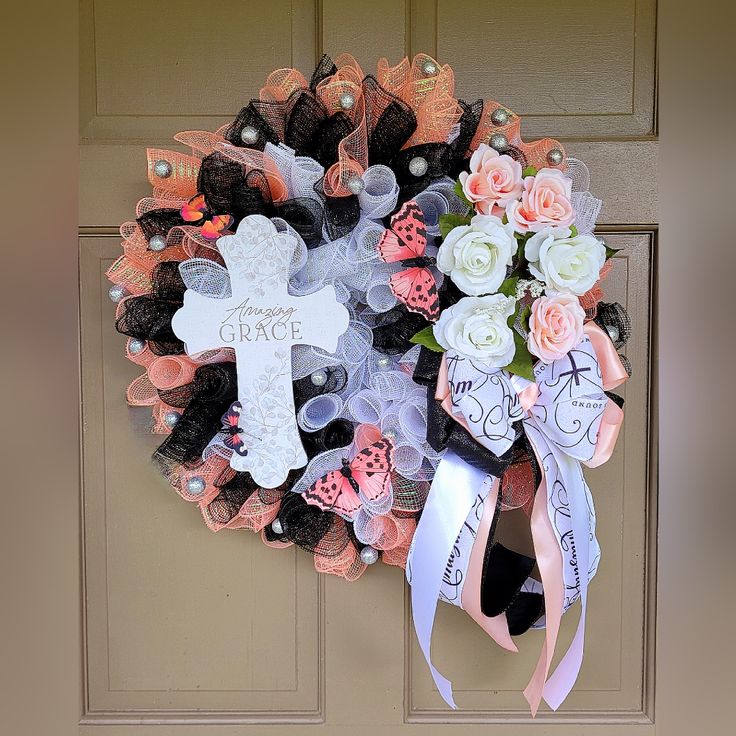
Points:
[116,292]
[347,100]
[390,434]
[368,555]
[319,378]
[429,67]
[613,332]
[384,361]
[249,135]
[136,346]
[554,156]
[171,418]
[196,485]
[162,169]
[499,142]
[499,116]
[276,527]
[418,166]
[157,243]
[356,185]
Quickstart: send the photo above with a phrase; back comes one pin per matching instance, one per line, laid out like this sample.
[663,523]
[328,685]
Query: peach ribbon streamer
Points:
[497,627]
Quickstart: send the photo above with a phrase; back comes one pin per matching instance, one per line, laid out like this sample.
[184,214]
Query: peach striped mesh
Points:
[143,358]
[184,170]
[282,83]
[200,141]
[393,78]
[347,564]
[130,275]
[171,371]
[141,392]
[214,470]
[160,410]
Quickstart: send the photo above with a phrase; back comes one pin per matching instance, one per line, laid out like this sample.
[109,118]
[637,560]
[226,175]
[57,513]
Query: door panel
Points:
[204,633]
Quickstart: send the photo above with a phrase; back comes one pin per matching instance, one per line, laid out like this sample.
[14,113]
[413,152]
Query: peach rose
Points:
[555,326]
[494,180]
[545,201]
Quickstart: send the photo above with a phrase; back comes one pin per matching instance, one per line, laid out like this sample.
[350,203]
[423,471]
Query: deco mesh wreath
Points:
[371,322]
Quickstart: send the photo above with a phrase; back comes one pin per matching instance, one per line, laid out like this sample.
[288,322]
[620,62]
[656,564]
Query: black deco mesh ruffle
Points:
[213,390]
[159,222]
[615,316]
[253,115]
[395,328]
[337,433]
[304,389]
[149,317]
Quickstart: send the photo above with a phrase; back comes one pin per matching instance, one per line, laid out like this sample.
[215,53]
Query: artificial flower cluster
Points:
[518,258]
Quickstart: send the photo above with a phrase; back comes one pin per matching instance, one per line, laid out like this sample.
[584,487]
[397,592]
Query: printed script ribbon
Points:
[568,419]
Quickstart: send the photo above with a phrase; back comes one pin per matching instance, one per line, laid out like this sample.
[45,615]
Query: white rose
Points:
[475,256]
[564,263]
[477,327]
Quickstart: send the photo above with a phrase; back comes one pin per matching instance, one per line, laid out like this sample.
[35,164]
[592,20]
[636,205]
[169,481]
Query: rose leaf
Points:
[450,221]
[521,365]
[458,189]
[508,287]
[529,171]
[426,337]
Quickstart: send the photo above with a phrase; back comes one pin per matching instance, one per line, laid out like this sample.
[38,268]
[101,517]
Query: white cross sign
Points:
[260,322]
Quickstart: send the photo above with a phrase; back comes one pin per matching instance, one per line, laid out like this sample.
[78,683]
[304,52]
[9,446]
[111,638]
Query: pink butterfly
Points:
[406,241]
[231,428]
[369,473]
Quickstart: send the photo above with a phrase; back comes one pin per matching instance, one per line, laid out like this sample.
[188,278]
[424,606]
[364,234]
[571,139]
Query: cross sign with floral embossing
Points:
[260,322]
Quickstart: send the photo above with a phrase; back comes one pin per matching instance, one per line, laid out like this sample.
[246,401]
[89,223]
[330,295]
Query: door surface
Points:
[203,633]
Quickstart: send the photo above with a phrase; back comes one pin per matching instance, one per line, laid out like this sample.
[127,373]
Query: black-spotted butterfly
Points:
[368,473]
[406,242]
[232,431]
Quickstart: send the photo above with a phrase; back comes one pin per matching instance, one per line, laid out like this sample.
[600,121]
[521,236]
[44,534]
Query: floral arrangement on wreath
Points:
[371,322]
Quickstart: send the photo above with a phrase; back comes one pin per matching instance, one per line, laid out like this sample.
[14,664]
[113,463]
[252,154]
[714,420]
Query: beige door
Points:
[182,626]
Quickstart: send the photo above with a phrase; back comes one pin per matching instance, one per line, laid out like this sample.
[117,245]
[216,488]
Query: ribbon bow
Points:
[567,419]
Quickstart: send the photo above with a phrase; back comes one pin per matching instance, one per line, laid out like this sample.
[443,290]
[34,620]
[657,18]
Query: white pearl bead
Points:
[136,346]
[346,101]
[319,378]
[499,142]
[356,185]
[384,362]
[162,169]
[418,166]
[196,485]
[249,135]
[276,527]
[429,67]
[613,332]
[499,116]
[157,243]
[368,555]
[554,156]
[116,292]
[171,418]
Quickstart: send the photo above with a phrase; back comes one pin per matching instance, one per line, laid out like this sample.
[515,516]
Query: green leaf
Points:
[449,222]
[573,231]
[458,189]
[611,252]
[524,318]
[529,171]
[426,337]
[521,365]
[508,287]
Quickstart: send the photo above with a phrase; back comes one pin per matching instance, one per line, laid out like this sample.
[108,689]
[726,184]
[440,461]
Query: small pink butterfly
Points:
[406,241]
[231,428]
[197,212]
[369,473]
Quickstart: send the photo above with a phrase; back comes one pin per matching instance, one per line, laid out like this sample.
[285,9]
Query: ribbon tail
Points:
[549,561]
[451,498]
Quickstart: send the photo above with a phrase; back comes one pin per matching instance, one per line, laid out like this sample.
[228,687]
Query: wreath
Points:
[371,322]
